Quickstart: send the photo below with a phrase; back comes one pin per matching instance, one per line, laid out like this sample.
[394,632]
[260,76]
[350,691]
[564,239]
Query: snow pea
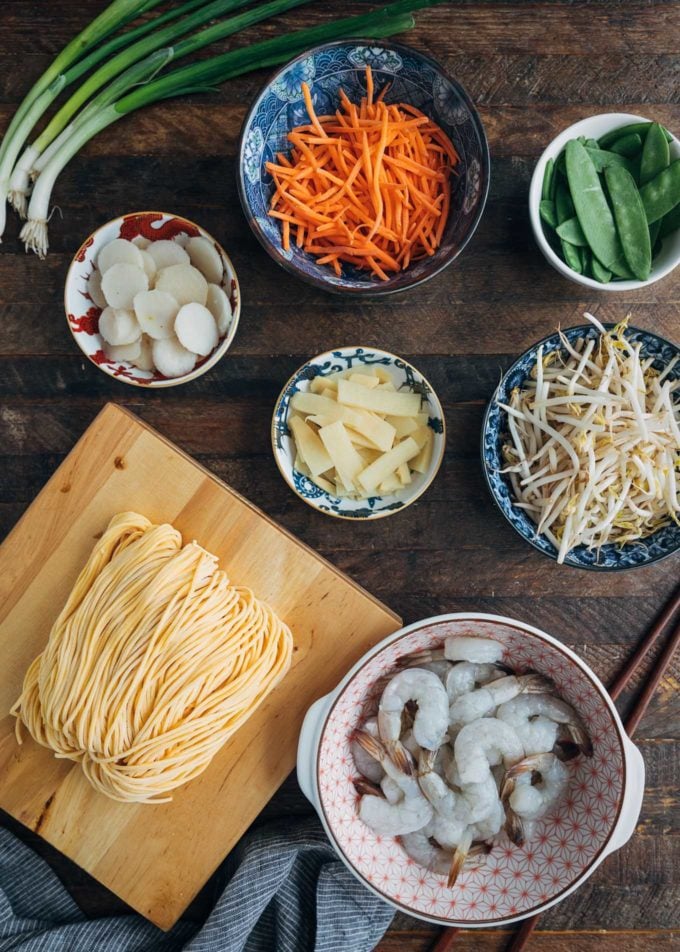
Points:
[547,212]
[572,257]
[600,273]
[670,222]
[628,145]
[592,208]
[631,220]
[571,231]
[654,239]
[547,180]
[662,194]
[640,128]
[601,158]
[656,155]
[564,207]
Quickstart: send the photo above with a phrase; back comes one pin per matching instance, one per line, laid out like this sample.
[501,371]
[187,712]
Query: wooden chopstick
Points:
[630,668]
[445,941]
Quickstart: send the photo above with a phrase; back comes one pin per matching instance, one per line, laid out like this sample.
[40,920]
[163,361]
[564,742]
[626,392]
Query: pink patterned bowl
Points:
[82,314]
[596,815]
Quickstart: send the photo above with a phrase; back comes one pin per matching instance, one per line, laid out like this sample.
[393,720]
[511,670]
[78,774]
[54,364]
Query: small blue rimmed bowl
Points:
[611,557]
[415,79]
[405,377]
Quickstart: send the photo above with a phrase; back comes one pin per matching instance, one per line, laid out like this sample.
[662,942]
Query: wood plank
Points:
[504,26]
[496,940]
[454,321]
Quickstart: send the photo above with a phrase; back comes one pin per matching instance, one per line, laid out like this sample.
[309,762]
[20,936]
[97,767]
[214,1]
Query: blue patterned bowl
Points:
[611,557]
[404,377]
[414,79]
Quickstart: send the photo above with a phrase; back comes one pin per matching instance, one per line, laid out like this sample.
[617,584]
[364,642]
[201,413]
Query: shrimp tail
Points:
[566,750]
[535,683]
[366,788]
[478,851]
[458,859]
[509,780]
[417,658]
[514,827]
[401,757]
[581,738]
[370,744]
[426,761]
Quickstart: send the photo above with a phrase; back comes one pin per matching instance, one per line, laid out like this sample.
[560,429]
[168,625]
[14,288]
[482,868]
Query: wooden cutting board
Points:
[156,858]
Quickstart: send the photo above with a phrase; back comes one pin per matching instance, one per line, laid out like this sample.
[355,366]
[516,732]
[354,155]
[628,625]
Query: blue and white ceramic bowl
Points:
[405,377]
[415,79]
[611,557]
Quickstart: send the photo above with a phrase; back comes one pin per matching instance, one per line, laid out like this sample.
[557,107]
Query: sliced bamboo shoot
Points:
[310,447]
[379,401]
[377,472]
[346,460]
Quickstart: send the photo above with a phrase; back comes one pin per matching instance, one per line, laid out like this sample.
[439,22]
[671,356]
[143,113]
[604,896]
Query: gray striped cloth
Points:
[282,890]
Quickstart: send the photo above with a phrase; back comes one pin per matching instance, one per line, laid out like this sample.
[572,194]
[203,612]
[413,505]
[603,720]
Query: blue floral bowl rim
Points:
[438,264]
[437,406]
[485,425]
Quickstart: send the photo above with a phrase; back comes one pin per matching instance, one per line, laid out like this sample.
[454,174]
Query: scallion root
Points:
[34,236]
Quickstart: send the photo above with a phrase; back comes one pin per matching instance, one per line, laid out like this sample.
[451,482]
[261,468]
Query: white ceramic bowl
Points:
[405,377]
[593,128]
[82,314]
[595,817]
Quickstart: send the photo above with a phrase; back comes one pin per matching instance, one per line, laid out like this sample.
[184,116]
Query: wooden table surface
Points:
[532,68]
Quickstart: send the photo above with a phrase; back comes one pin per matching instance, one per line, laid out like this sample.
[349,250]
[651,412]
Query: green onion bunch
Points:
[118,71]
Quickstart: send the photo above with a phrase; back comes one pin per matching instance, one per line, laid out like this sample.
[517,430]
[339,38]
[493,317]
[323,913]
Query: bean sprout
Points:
[593,443]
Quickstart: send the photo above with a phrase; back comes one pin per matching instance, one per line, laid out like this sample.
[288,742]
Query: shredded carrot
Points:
[367,186]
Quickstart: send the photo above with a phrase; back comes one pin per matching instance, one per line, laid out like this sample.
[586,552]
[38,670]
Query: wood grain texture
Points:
[156,858]
[532,68]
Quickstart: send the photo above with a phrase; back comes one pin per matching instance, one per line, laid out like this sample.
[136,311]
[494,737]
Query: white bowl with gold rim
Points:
[405,378]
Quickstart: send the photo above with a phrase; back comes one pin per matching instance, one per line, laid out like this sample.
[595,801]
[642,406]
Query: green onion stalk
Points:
[18,187]
[38,154]
[50,84]
[141,86]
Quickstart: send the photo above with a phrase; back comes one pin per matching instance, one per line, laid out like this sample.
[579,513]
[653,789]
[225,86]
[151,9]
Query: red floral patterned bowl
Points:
[596,815]
[82,314]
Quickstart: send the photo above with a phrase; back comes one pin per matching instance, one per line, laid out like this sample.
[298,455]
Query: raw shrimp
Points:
[468,675]
[471,648]
[445,801]
[391,790]
[483,744]
[420,848]
[405,778]
[491,825]
[484,700]
[410,743]
[518,711]
[432,716]
[527,799]
[481,798]
[440,668]
[448,831]
[395,819]
[443,862]
[365,763]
